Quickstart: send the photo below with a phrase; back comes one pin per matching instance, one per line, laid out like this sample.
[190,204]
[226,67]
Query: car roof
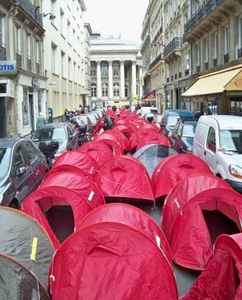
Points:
[53,125]
[10,142]
[225,121]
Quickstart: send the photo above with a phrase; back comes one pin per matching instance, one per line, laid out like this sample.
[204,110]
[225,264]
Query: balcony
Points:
[207,9]
[173,48]
[30,10]
[3,53]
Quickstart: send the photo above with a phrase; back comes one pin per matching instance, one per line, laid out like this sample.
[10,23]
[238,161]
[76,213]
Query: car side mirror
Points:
[21,171]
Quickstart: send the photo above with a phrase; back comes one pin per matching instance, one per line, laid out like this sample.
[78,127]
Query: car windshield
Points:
[46,134]
[5,157]
[172,120]
[231,140]
[188,130]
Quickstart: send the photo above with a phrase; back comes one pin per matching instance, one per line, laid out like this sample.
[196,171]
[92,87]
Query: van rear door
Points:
[200,139]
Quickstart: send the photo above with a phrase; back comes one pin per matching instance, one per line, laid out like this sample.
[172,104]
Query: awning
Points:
[227,80]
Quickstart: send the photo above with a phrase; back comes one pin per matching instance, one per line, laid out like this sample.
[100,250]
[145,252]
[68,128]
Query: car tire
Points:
[14,204]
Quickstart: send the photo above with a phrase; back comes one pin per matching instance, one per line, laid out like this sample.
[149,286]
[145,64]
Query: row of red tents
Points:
[116,251]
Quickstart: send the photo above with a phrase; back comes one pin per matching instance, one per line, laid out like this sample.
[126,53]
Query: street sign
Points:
[8,68]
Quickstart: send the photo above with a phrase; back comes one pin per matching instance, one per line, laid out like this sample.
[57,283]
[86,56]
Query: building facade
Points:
[116,71]
[214,32]
[66,55]
[22,80]
[152,52]
[176,52]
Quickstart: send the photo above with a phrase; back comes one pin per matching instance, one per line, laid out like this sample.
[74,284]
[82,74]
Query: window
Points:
[215,45]
[53,11]
[211,140]
[205,50]
[62,64]
[240,32]
[74,71]
[61,21]
[69,68]
[104,70]
[116,70]
[94,90]
[197,53]
[105,90]
[53,58]
[38,51]
[116,90]
[18,42]
[29,45]
[126,91]
[226,40]
[2,30]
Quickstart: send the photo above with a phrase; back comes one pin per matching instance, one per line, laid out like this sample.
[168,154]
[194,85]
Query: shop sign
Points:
[8,68]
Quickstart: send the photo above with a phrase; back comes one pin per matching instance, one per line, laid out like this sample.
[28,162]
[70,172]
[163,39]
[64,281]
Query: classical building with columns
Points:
[116,71]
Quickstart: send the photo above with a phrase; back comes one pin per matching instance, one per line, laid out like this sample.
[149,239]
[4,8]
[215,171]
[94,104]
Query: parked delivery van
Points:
[218,141]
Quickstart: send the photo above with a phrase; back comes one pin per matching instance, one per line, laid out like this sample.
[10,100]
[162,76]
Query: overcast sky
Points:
[117,17]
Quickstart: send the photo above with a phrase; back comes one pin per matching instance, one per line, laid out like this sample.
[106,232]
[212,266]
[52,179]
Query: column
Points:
[110,79]
[133,79]
[140,82]
[99,80]
[122,80]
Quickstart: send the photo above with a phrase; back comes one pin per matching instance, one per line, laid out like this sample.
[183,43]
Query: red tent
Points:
[221,279]
[74,179]
[99,151]
[131,216]
[78,159]
[195,212]
[175,168]
[40,203]
[108,261]
[124,177]
[111,141]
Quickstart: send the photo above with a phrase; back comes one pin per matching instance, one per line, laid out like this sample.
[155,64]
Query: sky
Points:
[117,17]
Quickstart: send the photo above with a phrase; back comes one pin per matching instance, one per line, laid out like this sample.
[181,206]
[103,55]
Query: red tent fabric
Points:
[81,160]
[39,202]
[99,151]
[111,141]
[74,179]
[126,178]
[175,168]
[131,216]
[108,261]
[184,222]
[221,279]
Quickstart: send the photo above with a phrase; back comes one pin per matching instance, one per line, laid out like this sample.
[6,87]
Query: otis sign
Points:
[8,68]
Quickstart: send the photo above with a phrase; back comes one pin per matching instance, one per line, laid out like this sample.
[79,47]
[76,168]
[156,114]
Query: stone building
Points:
[22,79]
[116,71]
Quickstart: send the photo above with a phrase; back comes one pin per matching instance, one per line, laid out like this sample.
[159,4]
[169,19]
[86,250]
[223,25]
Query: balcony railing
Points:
[3,53]
[31,10]
[206,9]
[174,45]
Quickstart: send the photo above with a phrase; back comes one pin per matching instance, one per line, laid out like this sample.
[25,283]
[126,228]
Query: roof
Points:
[225,122]
[8,142]
[217,82]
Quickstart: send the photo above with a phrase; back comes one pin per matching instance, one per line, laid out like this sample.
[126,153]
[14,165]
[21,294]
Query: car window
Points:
[29,152]
[5,159]
[18,158]
[211,140]
[188,130]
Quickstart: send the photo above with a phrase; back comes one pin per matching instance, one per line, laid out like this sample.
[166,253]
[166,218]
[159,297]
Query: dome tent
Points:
[74,179]
[195,213]
[99,151]
[151,155]
[125,178]
[83,161]
[131,216]
[221,280]
[112,141]
[18,283]
[59,210]
[24,240]
[175,168]
[109,261]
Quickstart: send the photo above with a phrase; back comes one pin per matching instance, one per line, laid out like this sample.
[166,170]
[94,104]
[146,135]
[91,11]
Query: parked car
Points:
[218,141]
[182,136]
[23,167]
[54,139]
[147,109]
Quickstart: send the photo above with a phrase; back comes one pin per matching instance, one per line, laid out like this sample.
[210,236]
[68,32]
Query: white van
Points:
[218,141]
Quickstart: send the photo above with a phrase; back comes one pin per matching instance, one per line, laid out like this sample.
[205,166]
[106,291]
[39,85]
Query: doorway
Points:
[31,111]
[3,125]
